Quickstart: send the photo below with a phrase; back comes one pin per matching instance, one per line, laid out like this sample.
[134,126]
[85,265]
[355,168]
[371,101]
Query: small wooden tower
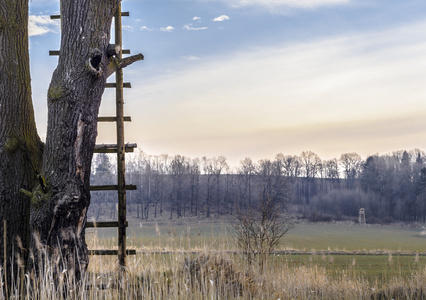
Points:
[361,218]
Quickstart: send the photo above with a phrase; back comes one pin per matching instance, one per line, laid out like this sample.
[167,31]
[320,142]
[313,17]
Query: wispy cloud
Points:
[271,4]
[294,3]
[128,28]
[145,28]
[305,96]
[221,18]
[191,58]
[190,27]
[196,18]
[167,29]
[42,24]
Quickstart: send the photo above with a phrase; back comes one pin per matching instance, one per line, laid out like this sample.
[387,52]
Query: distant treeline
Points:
[391,187]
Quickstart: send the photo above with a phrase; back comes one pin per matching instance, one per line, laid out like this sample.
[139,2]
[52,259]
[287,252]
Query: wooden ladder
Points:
[120,149]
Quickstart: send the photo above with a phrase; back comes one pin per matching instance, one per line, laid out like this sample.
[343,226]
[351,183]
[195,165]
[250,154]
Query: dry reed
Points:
[211,274]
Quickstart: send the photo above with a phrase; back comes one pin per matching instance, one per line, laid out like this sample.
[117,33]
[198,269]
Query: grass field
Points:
[315,238]
[399,273]
[304,236]
[198,260]
[352,237]
[372,267]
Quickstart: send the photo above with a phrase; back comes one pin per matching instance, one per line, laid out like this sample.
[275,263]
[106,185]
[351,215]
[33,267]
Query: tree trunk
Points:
[137,210]
[20,146]
[147,211]
[196,196]
[74,97]
[61,193]
[218,194]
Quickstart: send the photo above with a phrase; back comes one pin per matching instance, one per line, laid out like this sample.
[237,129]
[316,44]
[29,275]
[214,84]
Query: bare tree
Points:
[292,165]
[160,164]
[209,172]
[351,163]
[310,163]
[258,233]
[219,167]
[178,171]
[246,173]
[332,168]
[194,178]
[259,229]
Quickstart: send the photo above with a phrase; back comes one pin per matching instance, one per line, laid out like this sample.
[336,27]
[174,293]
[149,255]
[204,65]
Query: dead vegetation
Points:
[215,275]
[218,272]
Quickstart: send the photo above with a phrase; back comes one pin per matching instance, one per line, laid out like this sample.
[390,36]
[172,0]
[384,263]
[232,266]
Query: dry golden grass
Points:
[213,273]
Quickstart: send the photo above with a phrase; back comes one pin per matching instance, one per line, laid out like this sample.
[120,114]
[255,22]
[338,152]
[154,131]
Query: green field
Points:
[371,267]
[352,237]
[305,237]
[302,237]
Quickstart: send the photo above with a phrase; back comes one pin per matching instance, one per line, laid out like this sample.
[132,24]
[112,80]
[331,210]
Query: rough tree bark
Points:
[74,97]
[58,189]
[58,216]
[20,146]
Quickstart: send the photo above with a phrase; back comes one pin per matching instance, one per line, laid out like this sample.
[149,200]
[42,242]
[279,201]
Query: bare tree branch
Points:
[260,227]
[116,64]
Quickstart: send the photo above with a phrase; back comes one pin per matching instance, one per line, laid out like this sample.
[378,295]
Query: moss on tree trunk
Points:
[20,146]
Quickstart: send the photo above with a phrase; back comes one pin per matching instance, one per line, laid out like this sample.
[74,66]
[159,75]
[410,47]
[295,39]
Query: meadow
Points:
[313,261]
[191,259]
[305,236]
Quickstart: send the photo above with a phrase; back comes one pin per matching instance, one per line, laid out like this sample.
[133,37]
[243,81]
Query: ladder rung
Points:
[111,187]
[111,252]
[112,148]
[113,119]
[113,85]
[103,224]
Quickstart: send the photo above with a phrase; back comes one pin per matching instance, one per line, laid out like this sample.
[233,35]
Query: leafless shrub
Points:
[218,272]
[260,227]
[259,231]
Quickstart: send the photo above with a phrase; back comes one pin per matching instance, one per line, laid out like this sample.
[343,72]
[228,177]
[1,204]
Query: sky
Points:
[254,78]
